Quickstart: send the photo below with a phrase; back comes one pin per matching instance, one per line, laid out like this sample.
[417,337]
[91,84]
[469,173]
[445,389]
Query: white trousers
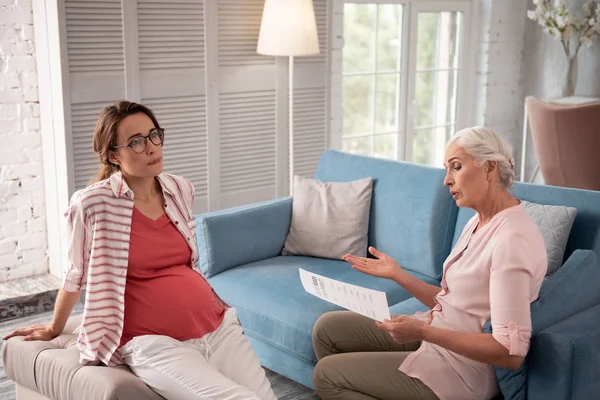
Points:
[221,365]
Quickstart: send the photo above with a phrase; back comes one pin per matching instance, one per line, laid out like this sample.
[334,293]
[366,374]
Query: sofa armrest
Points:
[565,360]
[238,236]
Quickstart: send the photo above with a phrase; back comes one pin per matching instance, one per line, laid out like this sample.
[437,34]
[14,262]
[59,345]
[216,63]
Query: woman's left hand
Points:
[404,328]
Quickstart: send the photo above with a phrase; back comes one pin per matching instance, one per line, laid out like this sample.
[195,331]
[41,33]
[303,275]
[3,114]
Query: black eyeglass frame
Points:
[161,136]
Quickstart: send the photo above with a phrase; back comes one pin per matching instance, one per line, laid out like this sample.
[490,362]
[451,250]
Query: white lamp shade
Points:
[288,28]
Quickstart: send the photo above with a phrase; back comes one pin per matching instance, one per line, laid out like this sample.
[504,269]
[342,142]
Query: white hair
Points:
[485,145]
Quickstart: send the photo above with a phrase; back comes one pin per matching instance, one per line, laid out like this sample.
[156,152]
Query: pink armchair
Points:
[566,139]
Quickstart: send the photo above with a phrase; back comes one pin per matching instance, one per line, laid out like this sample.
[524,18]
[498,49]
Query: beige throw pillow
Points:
[329,219]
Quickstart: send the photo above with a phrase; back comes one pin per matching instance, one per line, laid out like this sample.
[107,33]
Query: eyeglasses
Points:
[139,143]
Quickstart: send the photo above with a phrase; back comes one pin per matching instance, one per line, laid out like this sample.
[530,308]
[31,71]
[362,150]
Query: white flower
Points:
[557,35]
[586,8]
[558,21]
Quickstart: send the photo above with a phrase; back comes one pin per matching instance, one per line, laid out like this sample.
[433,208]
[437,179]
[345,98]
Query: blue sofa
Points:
[415,220]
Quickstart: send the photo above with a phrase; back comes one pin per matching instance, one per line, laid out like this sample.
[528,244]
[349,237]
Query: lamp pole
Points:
[291,123]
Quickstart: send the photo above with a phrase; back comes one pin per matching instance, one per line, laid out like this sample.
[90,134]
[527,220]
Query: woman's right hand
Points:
[33,332]
[383,266]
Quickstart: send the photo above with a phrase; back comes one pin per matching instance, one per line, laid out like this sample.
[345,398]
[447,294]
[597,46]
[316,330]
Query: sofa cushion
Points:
[575,287]
[329,219]
[565,359]
[412,212]
[274,307]
[52,368]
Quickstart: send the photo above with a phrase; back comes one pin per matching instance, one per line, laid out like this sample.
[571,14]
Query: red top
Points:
[163,294]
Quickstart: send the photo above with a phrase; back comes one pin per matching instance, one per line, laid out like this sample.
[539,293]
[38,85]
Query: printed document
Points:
[368,302]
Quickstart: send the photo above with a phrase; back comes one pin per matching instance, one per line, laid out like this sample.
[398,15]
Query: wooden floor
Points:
[284,388]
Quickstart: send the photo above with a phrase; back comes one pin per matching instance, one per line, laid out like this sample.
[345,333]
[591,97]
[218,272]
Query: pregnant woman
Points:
[133,248]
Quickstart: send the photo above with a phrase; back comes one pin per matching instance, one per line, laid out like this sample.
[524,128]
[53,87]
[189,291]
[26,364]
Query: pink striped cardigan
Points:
[99,224]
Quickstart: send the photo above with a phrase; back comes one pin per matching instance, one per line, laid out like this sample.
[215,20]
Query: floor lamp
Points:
[289,28]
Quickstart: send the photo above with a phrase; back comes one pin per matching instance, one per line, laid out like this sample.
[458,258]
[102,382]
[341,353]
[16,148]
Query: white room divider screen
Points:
[194,62]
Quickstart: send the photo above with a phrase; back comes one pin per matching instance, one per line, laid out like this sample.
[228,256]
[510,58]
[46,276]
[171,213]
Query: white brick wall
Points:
[23,241]
[336,8]
[499,87]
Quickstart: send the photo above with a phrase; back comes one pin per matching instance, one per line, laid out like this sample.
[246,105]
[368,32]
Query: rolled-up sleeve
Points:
[510,294]
[79,242]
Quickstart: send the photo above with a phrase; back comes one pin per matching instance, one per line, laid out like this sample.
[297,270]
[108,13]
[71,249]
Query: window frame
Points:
[407,70]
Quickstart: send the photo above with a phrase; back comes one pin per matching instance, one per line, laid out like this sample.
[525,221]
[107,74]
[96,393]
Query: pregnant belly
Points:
[175,302]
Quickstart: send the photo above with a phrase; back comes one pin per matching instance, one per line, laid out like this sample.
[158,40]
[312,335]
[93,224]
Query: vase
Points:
[571,77]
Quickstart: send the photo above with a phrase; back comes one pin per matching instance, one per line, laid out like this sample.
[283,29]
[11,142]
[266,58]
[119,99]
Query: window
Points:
[403,77]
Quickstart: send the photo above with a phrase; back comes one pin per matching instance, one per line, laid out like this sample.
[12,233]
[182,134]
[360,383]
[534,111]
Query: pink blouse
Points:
[494,273]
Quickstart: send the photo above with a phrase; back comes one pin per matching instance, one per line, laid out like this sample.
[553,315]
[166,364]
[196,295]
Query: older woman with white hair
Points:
[494,272]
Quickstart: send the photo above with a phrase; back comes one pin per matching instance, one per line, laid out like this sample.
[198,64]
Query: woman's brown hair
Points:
[105,135]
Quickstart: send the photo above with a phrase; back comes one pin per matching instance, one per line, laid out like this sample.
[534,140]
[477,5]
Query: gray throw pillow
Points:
[555,223]
[329,219]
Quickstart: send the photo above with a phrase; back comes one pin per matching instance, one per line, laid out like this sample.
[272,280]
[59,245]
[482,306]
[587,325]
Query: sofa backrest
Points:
[585,233]
[413,215]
